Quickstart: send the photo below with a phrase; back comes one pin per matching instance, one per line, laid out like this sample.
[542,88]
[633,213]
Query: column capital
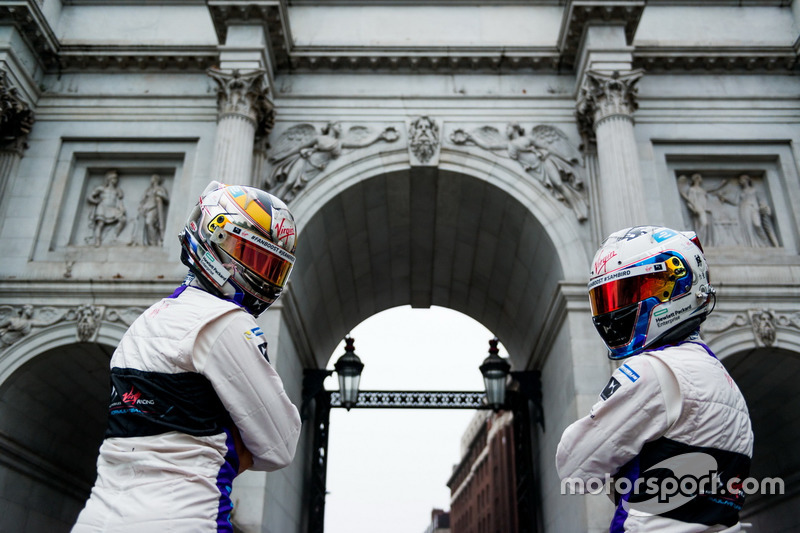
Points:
[603,95]
[16,117]
[243,94]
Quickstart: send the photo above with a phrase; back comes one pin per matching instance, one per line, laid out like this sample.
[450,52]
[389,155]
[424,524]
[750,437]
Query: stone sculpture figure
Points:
[149,227]
[755,216]
[301,153]
[17,323]
[697,200]
[756,228]
[14,326]
[545,153]
[107,209]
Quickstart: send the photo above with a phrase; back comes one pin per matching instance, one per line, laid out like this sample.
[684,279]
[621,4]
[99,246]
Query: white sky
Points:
[387,468]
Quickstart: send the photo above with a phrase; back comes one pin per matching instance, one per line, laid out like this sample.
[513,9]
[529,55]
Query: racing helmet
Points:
[239,242]
[649,286]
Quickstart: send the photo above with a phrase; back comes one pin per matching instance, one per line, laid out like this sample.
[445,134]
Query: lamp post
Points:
[348,368]
[495,370]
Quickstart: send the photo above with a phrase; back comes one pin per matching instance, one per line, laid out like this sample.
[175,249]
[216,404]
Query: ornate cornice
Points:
[716,60]
[427,60]
[273,16]
[579,14]
[270,13]
[141,58]
[28,18]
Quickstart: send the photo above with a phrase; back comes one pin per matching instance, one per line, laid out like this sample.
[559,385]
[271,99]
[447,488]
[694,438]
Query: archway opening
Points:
[391,466]
[51,426]
[768,379]
[425,237]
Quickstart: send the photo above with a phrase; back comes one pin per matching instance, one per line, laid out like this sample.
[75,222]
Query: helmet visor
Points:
[632,285]
[260,256]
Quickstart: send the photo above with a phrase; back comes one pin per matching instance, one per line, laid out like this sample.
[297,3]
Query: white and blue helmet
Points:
[649,286]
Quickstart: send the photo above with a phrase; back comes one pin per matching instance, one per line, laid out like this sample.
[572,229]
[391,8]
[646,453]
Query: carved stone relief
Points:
[423,141]
[20,321]
[765,323]
[106,208]
[729,211]
[301,153]
[545,153]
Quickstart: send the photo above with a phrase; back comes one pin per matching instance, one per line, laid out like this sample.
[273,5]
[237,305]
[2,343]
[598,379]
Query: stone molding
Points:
[767,325]
[17,322]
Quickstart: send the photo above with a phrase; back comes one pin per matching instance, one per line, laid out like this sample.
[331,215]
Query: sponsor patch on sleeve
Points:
[629,373]
[257,335]
[611,387]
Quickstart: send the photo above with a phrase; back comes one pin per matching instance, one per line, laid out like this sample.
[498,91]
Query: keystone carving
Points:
[301,153]
[545,153]
[423,141]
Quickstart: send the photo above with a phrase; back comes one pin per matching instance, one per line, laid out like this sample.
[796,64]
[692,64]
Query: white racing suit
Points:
[664,416]
[189,376]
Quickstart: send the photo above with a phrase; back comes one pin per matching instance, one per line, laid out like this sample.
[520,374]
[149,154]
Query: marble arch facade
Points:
[571,118]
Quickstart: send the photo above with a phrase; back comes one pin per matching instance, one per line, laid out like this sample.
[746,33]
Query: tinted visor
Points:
[632,285]
[616,328]
[261,257]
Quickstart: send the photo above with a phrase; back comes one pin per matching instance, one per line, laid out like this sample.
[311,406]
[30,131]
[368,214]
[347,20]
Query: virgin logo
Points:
[600,264]
[131,397]
[283,232]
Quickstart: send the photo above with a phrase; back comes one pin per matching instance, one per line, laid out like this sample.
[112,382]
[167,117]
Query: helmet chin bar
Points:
[678,333]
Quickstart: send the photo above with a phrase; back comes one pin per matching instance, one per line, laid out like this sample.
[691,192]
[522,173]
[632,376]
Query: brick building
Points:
[482,486]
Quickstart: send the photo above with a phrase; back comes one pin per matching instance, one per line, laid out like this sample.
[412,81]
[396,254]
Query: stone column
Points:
[605,108]
[245,113]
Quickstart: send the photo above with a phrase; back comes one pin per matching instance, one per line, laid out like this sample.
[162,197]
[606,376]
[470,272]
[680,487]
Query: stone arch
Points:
[51,424]
[767,376]
[731,334]
[380,196]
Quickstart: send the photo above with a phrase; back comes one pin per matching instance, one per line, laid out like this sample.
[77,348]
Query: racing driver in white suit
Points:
[671,428]
[194,398]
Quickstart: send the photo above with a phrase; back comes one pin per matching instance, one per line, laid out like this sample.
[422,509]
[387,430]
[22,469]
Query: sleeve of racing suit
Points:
[630,412]
[231,353]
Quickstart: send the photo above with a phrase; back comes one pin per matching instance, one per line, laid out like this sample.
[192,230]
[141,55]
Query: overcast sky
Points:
[388,468]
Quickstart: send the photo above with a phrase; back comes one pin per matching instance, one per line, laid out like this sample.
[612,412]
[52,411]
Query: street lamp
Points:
[495,370]
[348,368]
